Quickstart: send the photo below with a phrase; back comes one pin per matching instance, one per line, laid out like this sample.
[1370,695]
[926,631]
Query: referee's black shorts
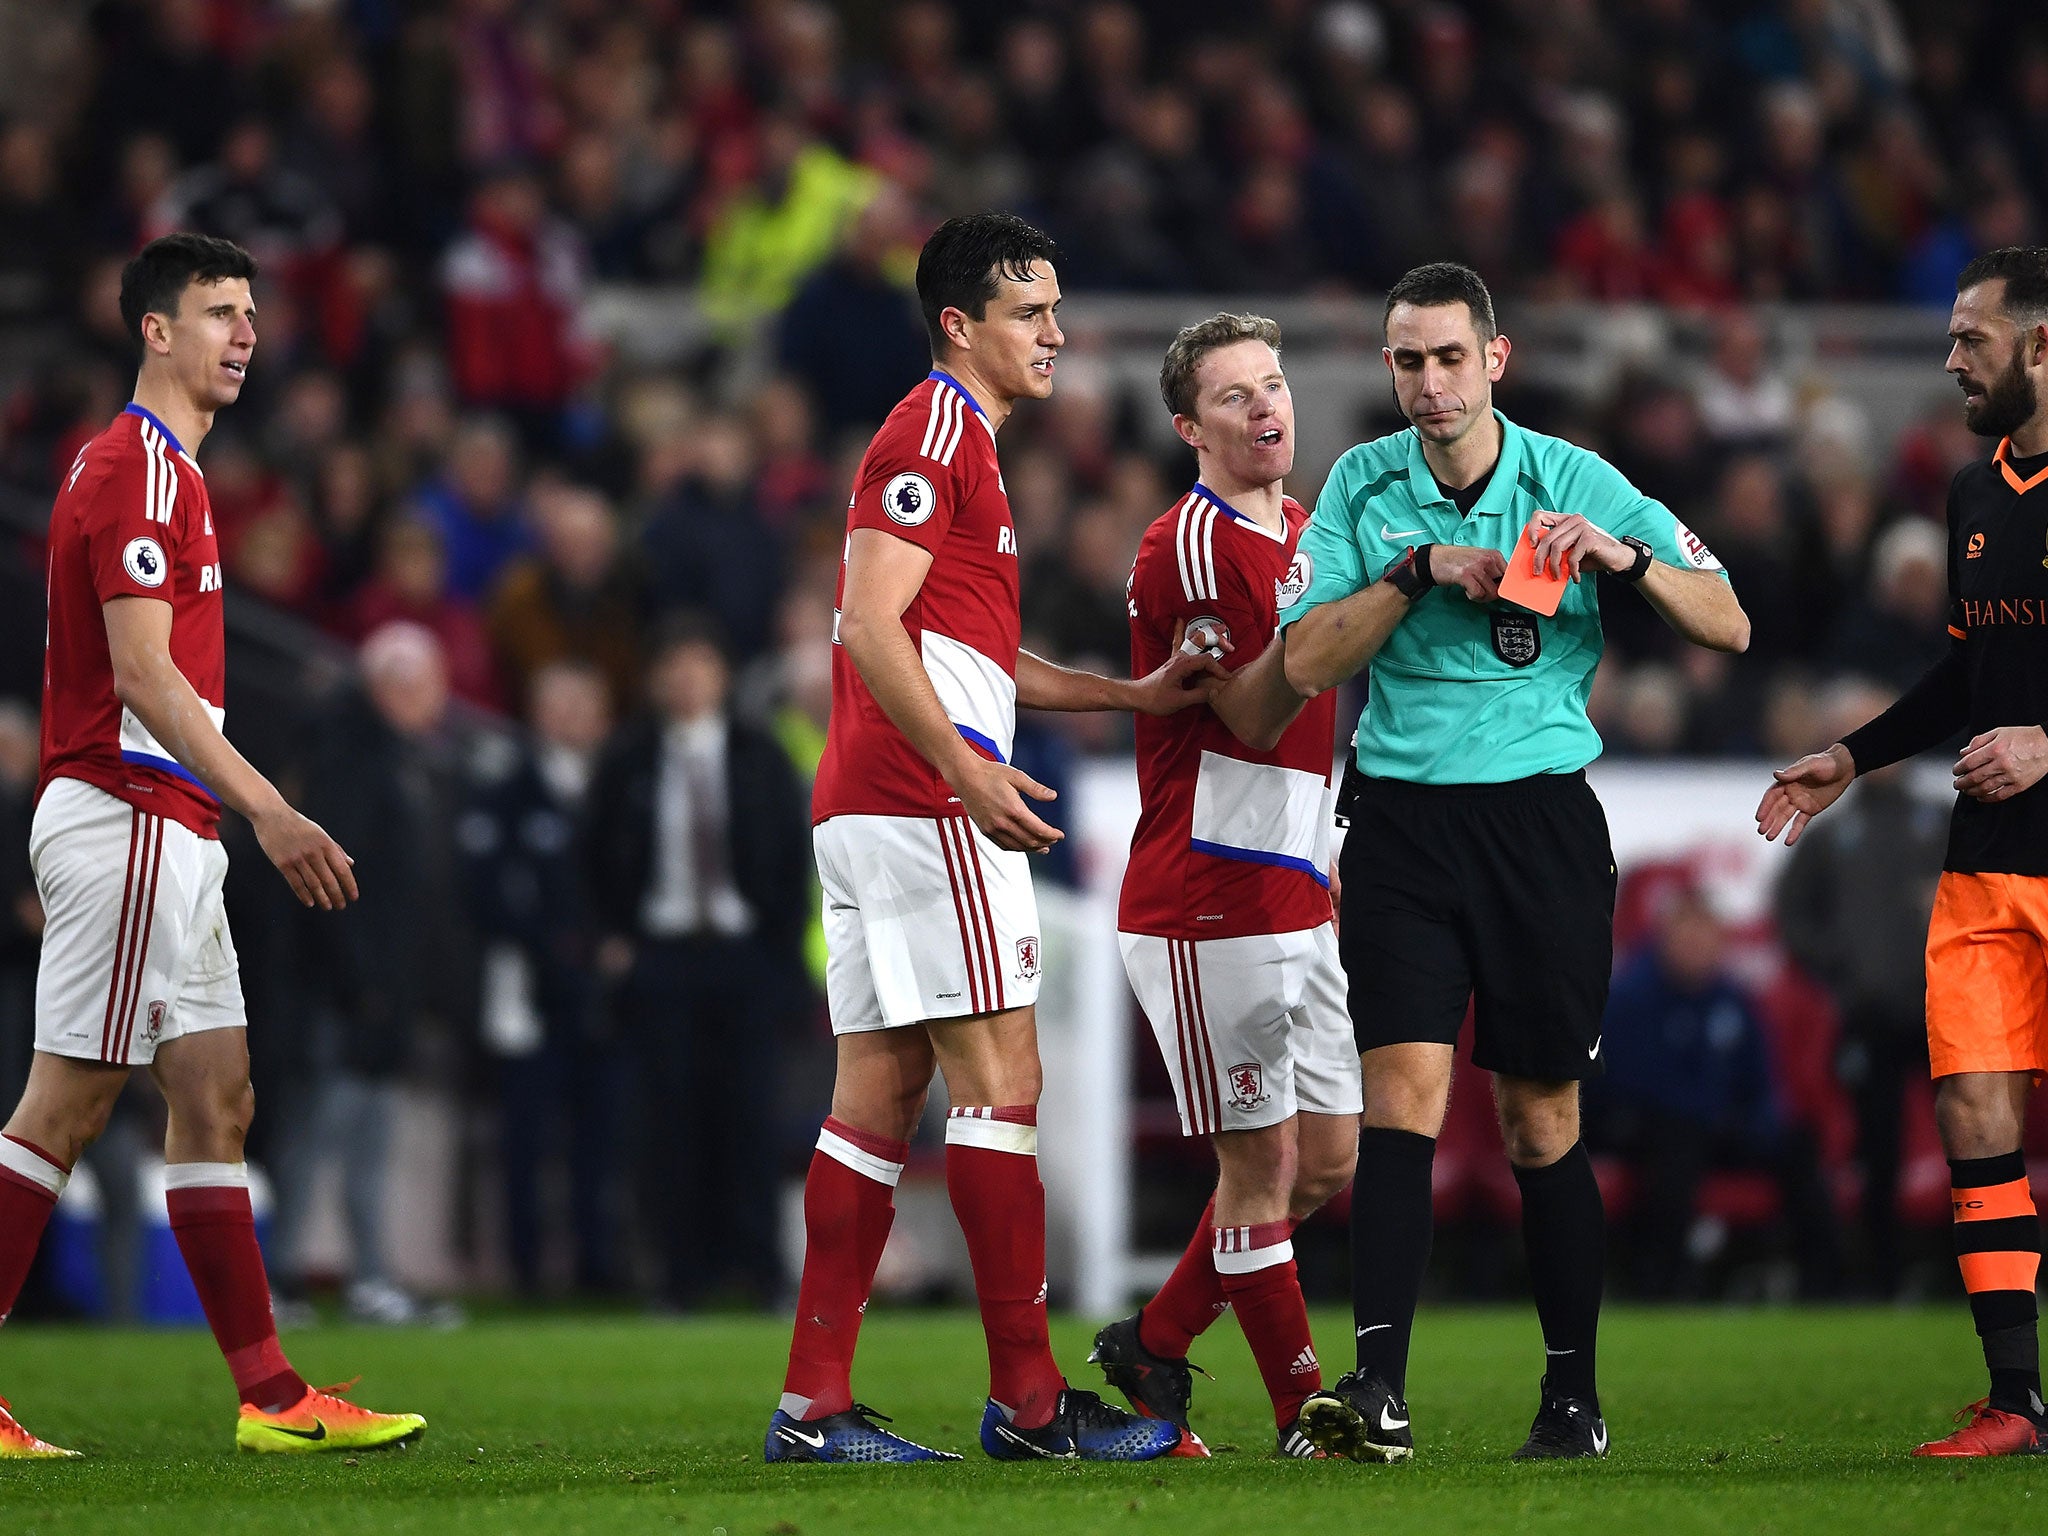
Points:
[1497,894]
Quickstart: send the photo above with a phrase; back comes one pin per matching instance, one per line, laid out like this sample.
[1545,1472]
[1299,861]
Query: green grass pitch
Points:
[1777,1421]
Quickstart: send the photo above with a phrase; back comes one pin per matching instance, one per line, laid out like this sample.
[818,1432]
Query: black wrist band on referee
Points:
[1410,575]
[1645,556]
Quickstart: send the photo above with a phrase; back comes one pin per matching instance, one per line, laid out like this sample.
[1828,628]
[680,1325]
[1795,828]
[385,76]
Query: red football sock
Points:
[992,1177]
[849,1204]
[30,1182]
[1256,1267]
[216,1232]
[1191,1299]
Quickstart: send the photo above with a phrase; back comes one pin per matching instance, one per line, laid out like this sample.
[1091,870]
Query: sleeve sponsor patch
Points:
[143,560]
[909,500]
[1697,555]
[1288,589]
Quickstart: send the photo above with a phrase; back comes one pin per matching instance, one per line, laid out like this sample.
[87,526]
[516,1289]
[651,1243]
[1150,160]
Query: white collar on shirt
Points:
[691,737]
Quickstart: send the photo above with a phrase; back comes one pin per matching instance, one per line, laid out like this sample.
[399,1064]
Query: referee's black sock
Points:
[1392,1221]
[1564,1229]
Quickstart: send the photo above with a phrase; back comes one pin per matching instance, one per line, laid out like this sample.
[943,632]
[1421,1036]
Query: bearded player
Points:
[1226,920]
[138,968]
[922,830]
[1987,942]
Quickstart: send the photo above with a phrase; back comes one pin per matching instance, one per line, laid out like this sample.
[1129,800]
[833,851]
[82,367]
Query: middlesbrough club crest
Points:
[155,1024]
[1027,957]
[1247,1085]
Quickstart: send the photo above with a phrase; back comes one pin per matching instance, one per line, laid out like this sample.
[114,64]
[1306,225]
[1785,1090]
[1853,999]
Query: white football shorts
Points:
[136,949]
[925,918]
[1252,1028]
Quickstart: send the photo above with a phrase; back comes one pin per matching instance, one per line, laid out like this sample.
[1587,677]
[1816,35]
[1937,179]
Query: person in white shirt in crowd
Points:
[697,854]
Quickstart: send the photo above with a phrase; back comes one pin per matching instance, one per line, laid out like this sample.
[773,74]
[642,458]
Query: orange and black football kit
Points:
[1987,943]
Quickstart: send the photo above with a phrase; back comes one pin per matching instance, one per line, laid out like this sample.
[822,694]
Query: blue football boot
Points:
[1082,1428]
[850,1436]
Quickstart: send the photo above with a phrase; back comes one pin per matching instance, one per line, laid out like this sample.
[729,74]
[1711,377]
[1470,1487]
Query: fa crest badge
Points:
[1516,639]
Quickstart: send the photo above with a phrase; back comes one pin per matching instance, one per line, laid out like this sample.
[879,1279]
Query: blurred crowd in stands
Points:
[513,564]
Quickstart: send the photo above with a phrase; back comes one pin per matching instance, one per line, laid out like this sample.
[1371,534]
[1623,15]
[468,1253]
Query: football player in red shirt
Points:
[138,967]
[921,829]
[1226,922]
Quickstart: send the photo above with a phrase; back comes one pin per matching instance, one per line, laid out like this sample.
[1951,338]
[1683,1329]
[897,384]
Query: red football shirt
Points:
[930,476]
[1230,841]
[132,520]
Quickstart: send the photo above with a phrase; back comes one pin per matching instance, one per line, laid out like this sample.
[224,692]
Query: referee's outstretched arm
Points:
[1698,604]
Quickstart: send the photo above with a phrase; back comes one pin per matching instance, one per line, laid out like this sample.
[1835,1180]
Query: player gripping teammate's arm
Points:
[149,683]
[883,576]
[1257,705]
[1189,677]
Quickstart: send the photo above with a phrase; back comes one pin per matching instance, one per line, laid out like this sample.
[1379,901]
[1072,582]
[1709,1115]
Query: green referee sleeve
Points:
[1604,496]
[1329,544]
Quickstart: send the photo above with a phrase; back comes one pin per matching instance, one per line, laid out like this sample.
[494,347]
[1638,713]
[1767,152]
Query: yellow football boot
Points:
[18,1442]
[322,1421]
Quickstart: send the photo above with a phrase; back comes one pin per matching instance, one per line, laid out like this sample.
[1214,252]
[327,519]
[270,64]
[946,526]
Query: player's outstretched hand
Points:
[993,796]
[1802,791]
[1572,543]
[2002,763]
[312,863]
[1185,679]
[1476,572]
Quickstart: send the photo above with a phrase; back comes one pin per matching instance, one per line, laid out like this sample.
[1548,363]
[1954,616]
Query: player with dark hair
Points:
[138,968]
[921,830]
[1225,924]
[1987,979]
[1477,869]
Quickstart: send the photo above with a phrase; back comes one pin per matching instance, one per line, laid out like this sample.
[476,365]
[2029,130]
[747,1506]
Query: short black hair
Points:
[965,258]
[1445,282]
[156,279]
[2024,269]
[681,627]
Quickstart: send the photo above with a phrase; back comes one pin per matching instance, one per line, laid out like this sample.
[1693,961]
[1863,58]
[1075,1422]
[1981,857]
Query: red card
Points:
[1523,583]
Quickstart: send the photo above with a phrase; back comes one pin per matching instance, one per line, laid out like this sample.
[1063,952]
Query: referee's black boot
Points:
[1566,1428]
[1358,1418]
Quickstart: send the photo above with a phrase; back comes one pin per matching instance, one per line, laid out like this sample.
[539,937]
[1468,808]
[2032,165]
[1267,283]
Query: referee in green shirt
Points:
[1477,868]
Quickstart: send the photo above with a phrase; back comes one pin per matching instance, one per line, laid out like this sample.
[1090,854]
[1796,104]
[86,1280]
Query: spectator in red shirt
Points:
[514,282]
[1605,253]
[411,583]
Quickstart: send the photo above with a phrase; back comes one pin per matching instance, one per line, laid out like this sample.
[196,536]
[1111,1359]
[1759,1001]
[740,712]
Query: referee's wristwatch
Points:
[1410,575]
[1644,556]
